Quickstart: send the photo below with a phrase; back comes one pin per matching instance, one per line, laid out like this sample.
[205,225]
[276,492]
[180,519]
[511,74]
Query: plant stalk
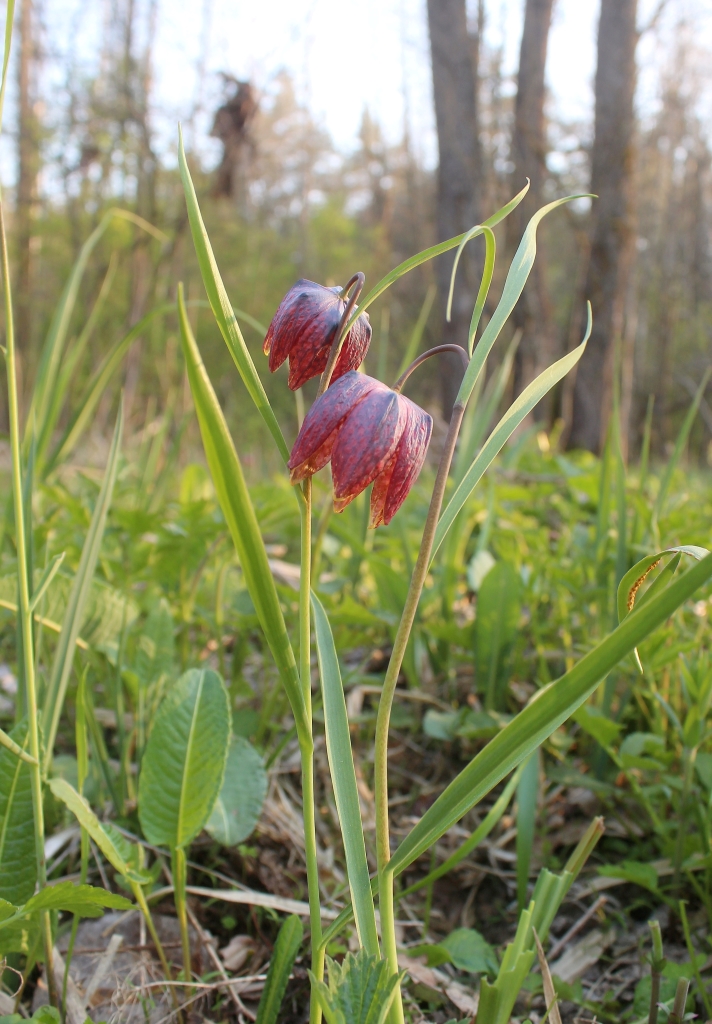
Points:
[24,610]
[179,877]
[417,582]
[307,754]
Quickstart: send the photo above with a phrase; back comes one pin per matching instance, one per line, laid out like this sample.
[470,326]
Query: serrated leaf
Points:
[184,762]
[18,866]
[239,804]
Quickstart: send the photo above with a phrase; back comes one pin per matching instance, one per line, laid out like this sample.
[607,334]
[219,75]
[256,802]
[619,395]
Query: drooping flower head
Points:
[304,328]
[371,434]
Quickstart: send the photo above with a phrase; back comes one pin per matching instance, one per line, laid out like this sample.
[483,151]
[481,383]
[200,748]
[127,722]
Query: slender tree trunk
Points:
[612,238]
[533,313]
[459,196]
[27,171]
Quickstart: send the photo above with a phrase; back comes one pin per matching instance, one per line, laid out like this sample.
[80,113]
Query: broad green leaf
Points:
[285,953]
[222,308]
[239,805]
[593,721]
[639,873]
[549,709]
[66,645]
[18,866]
[184,762]
[513,287]
[518,410]
[240,515]
[498,614]
[120,853]
[343,778]
[470,951]
[84,900]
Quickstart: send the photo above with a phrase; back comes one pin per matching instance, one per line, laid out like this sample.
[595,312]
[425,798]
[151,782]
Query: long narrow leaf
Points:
[550,708]
[429,254]
[74,614]
[48,372]
[239,513]
[519,409]
[285,953]
[222,309]
[679,447]
[343,777]
[513,287]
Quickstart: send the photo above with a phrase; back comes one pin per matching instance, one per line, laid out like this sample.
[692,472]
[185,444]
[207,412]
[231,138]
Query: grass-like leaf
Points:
[343,777]
[520,408]
[285,953]
[513,287]
[222,308]
[74,615]
[239,513]
[184,762]
[117,849]
[550,708]
[18,865]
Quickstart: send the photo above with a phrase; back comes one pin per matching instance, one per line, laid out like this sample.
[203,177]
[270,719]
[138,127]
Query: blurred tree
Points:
[613,230]
[533,313]
[232,126]
[455,60]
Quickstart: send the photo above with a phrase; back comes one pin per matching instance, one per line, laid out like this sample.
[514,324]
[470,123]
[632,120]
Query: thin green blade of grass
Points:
[222,308]
[417,332]
[285,953]
[513,287]
[550,708]
[516,413]
[527,798]
[73,617]
[239,512]
[429,254]
[343,776]
[487,275]
[48,373]
[680,443]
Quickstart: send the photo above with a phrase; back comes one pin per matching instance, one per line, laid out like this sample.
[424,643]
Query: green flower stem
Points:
[25,610]
[417,582]
[179,870]
[307,752]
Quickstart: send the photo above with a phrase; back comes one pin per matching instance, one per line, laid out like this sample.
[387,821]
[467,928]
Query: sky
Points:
[343,57]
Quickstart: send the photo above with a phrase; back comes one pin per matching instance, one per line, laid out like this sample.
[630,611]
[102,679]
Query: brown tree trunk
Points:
[459,197]
[533,313]
[27,171]
[612,237]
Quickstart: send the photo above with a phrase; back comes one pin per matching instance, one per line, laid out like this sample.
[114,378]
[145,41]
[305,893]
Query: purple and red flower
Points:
[303,329]
[371,434]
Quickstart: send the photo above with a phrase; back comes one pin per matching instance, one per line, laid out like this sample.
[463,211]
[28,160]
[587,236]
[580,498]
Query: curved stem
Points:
[457,349]
[417,582]
[25,610]
[358,280]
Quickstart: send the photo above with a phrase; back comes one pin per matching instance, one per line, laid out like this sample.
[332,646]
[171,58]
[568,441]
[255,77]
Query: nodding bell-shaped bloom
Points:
[303,330]
[372,434]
